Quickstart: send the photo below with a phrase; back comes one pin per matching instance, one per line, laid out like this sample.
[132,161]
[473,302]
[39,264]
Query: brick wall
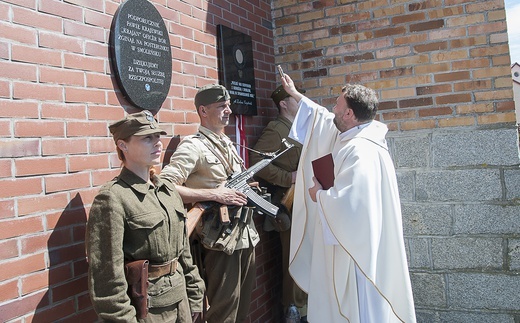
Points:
[441,69]
[57,98]
[442,73]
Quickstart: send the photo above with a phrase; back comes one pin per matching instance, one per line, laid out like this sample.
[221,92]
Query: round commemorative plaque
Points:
[141,54]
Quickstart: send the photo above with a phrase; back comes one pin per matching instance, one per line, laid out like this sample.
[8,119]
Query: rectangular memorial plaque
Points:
[236,69]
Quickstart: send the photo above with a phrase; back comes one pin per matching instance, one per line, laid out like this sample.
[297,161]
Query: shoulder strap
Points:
[225,163]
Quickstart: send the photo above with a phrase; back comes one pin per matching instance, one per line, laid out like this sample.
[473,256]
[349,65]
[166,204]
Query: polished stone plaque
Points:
[236,69]
[140,54]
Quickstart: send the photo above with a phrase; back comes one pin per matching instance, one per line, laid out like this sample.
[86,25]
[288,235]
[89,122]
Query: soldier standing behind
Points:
[278,177]
[199,167]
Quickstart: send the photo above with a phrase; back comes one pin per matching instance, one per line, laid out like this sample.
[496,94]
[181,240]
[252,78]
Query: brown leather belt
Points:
[168,268]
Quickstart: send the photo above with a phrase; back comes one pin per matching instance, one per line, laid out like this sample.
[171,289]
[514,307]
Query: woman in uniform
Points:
[136,216]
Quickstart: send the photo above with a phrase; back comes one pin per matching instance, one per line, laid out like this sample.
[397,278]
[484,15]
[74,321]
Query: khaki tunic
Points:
[230,278]
[279,171]
[195,166]
[131,220]
[277,177]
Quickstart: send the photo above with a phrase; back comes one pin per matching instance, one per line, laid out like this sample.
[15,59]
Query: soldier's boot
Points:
[292,315]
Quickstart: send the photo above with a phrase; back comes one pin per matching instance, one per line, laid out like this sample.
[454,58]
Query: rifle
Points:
[239,182]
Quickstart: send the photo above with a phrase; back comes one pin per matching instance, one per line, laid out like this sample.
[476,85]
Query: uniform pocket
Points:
[147,236]
[145,220]
[211,159]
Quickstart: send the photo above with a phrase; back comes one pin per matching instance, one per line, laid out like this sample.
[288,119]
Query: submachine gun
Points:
[240,182]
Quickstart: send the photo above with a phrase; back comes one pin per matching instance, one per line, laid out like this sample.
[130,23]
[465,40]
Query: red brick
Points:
[416,125]
[7,209]
[23,305]
[81,129]
[58,183]
[101,145]
[103,112]
[433,89]
[35,281]
[102,176]
[20,226]
[430,47]
[4,11]
[457,122]
[21,266]
[452,76]
[453,98]
[63,111]
[92,4]
[40,166]
[69,289]
[35,55]
[18,33]
[61,76]
[4,50]
[39,128]
[95,49]
[100,81]
[61,9]
[34,243]
[8,249]
[18,71]
[82,31]
[64,146]
[85,63]
[57,312]
[436,111]
[79,163]
[400,19]
[5,91]
[409,114]
[20,187]
[5,168]
[18,109]
[424,26]
[37,91]
[84,95]
[472,85]
[8,290]
[32,18]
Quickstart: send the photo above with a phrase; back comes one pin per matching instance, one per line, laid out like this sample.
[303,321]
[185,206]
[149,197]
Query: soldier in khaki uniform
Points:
[138,216]
[278,178]
[199,168]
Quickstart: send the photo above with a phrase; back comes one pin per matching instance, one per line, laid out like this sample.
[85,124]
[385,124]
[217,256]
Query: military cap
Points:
[210,94]
[137,124]
[279,94]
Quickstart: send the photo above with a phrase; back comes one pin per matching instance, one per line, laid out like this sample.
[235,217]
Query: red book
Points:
[323,168]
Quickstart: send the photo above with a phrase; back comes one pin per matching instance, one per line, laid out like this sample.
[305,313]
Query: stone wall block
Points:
[459,185]
[412,152]
[429,290]
[467,253]
[483,291]
[512,184]
[486,219]
[426,219]
[419,255]
[476,147]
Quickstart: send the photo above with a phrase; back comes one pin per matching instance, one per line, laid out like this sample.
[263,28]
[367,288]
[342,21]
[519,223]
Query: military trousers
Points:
[229,284]
[291,293]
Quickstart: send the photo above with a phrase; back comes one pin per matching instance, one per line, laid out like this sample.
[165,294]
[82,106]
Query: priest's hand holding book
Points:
[314,190]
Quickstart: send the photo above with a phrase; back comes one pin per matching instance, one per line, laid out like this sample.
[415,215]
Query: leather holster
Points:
[136,273]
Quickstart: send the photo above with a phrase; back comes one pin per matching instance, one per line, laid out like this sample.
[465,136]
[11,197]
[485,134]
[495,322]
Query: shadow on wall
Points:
[67,297]
[170,149]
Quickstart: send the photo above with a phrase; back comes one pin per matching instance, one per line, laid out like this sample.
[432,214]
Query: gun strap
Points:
[224,161]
